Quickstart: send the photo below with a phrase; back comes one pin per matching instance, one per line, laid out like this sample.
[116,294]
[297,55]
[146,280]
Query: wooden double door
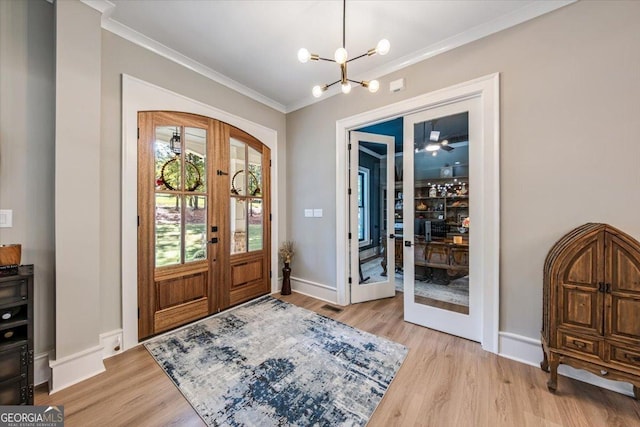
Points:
[203,219]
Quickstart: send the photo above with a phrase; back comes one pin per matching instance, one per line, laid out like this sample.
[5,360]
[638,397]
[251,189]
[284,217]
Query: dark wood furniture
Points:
[16,337]
[591,307]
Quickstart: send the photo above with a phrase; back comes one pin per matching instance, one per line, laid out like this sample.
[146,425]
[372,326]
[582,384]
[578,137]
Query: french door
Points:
[372,243]
[203,196]
[442,246]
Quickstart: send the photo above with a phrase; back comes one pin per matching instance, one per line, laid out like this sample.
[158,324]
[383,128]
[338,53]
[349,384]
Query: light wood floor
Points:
[445,381]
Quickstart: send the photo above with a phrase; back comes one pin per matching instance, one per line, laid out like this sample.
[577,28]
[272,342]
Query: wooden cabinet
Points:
[16,337]
[591,309]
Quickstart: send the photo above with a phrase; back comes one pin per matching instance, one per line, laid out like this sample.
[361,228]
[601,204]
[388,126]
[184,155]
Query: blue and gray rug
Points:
[270,363]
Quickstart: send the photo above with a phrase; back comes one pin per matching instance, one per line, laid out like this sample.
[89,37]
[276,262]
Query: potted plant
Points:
[286,253]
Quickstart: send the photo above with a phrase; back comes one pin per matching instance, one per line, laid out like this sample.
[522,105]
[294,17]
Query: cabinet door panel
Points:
[623,267]
[625,318]
[580,302]
[581,307]
[622,306]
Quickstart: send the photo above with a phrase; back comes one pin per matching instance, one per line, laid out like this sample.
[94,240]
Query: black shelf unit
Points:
[16,337]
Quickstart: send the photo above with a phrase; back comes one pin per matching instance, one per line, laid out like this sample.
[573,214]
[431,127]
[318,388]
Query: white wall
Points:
[570,84]
[27,103]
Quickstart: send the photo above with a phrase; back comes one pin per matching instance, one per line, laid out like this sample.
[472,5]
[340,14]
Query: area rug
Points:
[271,363]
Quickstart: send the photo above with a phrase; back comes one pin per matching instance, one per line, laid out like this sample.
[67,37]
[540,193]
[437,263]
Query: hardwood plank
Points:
[445,381]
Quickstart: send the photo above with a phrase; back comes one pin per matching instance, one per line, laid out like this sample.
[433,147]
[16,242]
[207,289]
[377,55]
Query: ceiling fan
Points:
[434,143]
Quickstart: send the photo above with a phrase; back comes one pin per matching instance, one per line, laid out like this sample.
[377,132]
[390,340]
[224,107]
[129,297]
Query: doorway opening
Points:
[441,212]
[203,219]
[465,264]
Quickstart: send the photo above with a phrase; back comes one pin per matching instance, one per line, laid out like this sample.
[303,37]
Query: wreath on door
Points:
[236,191]
[191,170]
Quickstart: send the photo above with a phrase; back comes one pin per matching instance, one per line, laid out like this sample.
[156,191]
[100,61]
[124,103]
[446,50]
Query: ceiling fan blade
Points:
[446,147]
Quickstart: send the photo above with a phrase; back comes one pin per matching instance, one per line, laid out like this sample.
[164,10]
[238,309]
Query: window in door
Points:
[247,220]
[180,195]
[364,204]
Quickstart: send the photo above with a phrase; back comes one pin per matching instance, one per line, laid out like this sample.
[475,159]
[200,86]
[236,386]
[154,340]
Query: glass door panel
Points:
[247,228]
[180,194]
[438,191]
[372,247]
[168,236]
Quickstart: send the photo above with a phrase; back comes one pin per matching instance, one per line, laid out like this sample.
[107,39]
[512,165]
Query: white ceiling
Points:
[251,45]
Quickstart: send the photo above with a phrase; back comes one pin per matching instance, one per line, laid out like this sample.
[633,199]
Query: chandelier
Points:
[341,58]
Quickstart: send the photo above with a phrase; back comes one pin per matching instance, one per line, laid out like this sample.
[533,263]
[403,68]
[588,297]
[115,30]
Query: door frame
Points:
[138,95]
[487,89]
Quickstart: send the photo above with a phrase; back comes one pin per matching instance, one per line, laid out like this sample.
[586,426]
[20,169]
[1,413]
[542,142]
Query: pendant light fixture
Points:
[341,57]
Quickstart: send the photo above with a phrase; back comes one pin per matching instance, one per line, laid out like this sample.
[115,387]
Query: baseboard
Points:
[111,343]
[529,351]
[74,368]
[41,369]
[315,290]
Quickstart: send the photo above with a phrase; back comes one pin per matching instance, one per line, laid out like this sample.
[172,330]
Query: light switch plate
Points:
[317,213]
[308,213]
[6,218]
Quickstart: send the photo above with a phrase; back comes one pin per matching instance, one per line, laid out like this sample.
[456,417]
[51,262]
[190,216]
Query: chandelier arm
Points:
[358,57]
[331,84]
[326,59]
[356,82]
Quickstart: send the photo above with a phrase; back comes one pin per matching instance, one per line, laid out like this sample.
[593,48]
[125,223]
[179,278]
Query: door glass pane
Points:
[237,168]
[255,224]
[255,173]
[168,229]
[167,158]
[238,225]
[247,222]
[441,206]
[195,228]
[372,178]
[195,159]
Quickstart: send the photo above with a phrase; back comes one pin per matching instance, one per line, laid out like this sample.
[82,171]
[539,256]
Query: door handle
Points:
[213,240]
[392,236]
[607,288]
[407,243]
[600,286]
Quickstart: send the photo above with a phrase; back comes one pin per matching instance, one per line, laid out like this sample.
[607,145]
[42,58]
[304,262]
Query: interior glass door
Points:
[372,242]
[440,278]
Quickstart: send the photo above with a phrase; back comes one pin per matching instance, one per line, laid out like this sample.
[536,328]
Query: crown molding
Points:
[516,17]
[106,8]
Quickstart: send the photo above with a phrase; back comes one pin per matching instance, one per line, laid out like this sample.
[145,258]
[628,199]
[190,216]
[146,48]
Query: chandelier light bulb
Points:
[445,142]
[383,47]
[435,153]
[341,55]
[317,91]
[303,55]
[373,86]
[346,87]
